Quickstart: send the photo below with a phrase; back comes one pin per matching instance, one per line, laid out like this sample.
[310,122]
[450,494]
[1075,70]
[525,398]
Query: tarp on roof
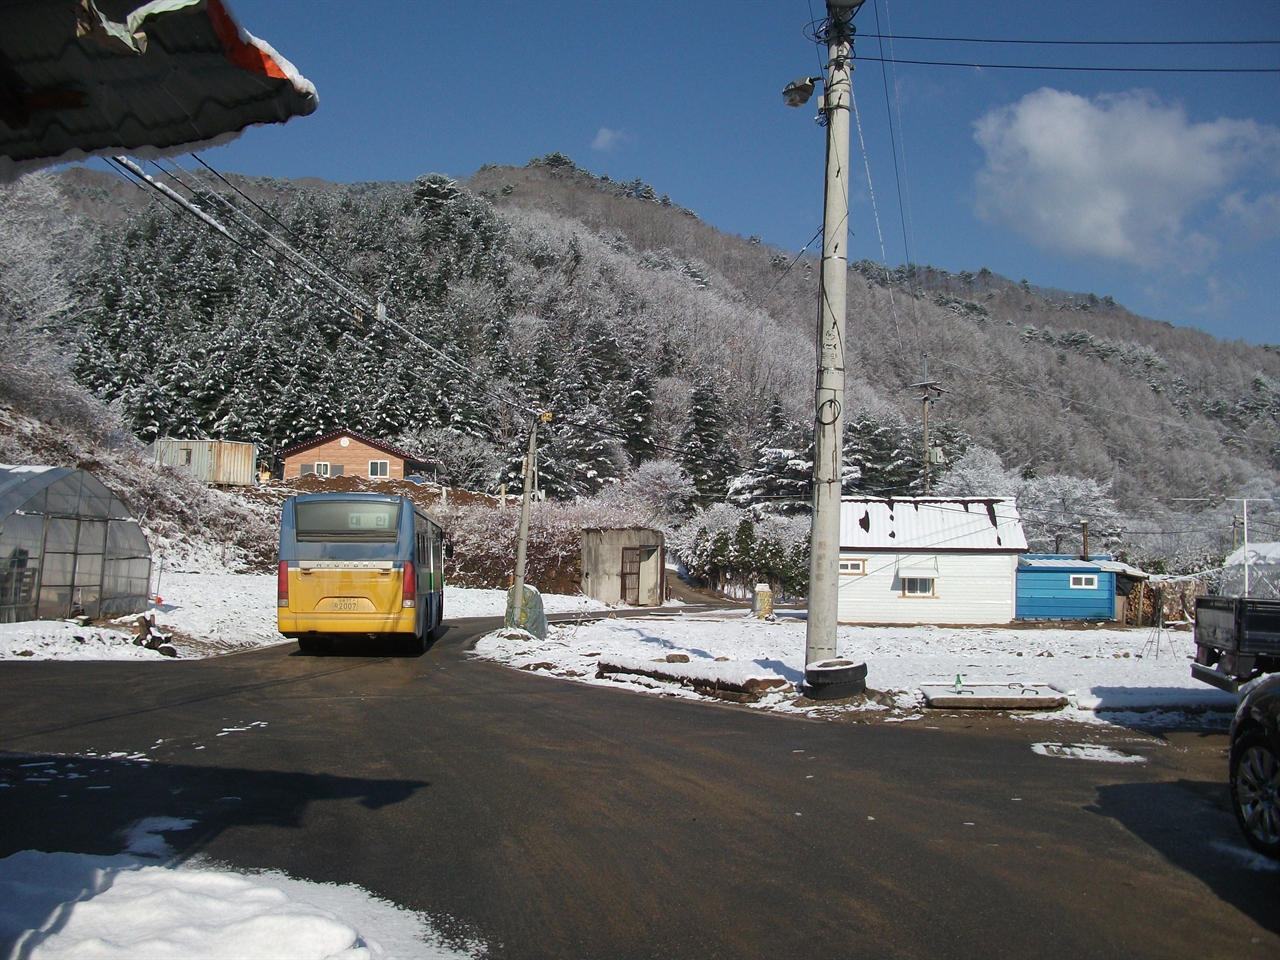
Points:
[931,524]
[82,78]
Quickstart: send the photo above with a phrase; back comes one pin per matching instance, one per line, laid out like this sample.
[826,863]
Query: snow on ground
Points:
[141,904]
[219,610]
[214,611]
[462,602]
[1104,671]
[63,640]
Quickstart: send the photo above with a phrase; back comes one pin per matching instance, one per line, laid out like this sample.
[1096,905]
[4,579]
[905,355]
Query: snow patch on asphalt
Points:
[1085,751]
[132,905]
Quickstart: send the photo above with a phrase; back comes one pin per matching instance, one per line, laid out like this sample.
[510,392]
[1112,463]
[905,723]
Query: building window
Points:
[322,469]
[917,586]
[379,468]
[852,568]
[1084,581]
[185,458]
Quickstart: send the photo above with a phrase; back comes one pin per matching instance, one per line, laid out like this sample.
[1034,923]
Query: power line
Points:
[1073,69]
[1085,43]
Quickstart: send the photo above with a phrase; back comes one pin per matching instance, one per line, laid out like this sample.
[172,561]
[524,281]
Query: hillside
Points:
[648,333]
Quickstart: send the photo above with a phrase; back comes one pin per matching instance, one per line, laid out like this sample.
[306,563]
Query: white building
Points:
[929,560]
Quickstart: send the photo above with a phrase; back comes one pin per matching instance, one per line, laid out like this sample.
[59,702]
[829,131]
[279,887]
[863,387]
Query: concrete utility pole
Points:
[932,393]
[522,541]
[828,433]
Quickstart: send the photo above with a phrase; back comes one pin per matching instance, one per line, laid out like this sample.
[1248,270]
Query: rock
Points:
[167,649]
[677,658]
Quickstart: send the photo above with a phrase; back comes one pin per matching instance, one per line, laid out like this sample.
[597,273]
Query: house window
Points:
[917,586]
[852,568]
[185,459]
[322,469]
[379,468]
[1084,581]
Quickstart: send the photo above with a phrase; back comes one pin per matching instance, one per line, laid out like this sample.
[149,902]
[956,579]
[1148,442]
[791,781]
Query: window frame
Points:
[860,571]
[1088,581]
[316,468]
[386,470]
[918,594]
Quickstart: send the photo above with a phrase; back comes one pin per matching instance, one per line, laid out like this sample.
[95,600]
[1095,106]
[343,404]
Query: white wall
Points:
[968,588]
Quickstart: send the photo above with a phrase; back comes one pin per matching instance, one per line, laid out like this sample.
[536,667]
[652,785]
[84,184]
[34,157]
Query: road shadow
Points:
[1190,824]
[81,804]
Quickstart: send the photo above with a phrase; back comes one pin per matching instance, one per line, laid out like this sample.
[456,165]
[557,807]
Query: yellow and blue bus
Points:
[359,565]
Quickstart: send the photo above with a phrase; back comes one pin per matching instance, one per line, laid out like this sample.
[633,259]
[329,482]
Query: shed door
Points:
[631,575]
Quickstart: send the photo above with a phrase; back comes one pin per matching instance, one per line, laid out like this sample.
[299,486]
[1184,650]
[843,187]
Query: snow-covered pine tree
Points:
[780,480]
[704,445]
[888,454]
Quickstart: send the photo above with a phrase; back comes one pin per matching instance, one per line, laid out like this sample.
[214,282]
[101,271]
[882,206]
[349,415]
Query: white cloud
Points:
[607,139]
[1124,176]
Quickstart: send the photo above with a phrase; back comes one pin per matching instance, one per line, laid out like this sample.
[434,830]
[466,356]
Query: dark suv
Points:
[1255,766]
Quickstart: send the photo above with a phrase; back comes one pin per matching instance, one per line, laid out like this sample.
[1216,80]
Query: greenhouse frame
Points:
[68,547]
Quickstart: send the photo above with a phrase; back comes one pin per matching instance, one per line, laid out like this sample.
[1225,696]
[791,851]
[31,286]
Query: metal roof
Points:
[931,524]
[107,77]
[1059,563]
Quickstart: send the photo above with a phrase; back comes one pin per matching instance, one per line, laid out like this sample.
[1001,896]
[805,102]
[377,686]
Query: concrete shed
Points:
[928,560]
[624,565]
[67,546]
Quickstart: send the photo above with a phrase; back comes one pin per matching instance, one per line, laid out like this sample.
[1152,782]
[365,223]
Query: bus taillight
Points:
[282,585]
[410,585]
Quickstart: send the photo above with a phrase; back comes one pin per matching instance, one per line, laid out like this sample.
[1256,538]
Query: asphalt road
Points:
[556,819]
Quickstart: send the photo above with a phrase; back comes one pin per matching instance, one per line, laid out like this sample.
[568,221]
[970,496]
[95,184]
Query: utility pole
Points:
[522,541]
[932,393]
[1244,502]
[828,433]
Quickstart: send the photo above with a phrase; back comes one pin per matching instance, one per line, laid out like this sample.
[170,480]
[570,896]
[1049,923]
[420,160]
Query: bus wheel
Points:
[416,645]
[311,645]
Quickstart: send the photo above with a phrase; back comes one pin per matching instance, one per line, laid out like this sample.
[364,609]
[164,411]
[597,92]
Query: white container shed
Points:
[929,560]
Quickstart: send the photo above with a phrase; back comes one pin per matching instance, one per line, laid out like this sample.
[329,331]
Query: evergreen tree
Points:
[888,455]
[780,479]
[704,446]
[635,420]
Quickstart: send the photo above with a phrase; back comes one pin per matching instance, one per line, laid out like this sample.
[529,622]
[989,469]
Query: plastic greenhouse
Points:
[68,546]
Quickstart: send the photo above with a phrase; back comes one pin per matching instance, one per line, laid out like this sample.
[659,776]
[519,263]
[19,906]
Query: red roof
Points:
[376,444]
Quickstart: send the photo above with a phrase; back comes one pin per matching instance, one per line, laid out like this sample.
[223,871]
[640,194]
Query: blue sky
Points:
[1162,190]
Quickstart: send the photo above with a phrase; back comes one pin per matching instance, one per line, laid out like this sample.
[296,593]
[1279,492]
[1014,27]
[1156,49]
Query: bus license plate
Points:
[346,603]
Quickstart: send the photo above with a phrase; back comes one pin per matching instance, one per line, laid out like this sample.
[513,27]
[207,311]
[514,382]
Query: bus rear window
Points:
[347,520]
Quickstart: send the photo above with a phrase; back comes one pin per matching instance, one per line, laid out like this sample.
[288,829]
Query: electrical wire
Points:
[760,303]
[893,309]
[1082,43]
[316,273]
[1072,69]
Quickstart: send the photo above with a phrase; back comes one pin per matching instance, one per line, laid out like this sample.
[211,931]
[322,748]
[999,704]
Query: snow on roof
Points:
[934,524]
[1267,552]
[162,78]
[335,434]
[1058,563]
[1116,566]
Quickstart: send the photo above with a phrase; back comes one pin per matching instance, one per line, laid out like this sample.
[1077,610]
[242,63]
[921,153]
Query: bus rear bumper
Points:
[294,625]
